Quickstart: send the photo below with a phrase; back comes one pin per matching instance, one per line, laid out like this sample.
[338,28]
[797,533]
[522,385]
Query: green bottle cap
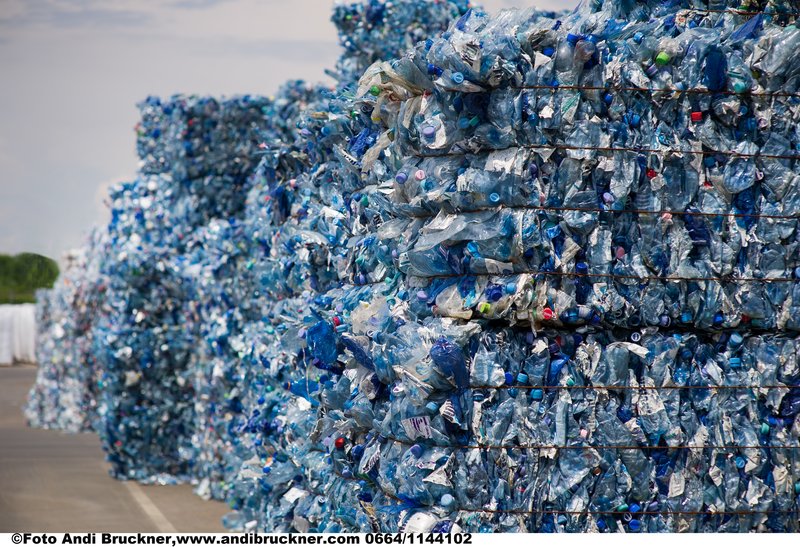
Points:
[662,58]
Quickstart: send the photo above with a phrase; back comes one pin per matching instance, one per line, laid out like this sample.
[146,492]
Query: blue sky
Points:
[73,71]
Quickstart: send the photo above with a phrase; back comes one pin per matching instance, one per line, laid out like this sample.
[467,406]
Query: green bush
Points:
[22,274]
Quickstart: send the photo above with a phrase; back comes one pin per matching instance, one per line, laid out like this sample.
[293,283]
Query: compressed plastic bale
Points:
[621,207]
[542,302]
[64,394]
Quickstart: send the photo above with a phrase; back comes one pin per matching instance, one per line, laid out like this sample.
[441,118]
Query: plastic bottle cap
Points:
[608,98]
[662,58]
[638,37]
[416,450]
[375,90]
[635,508]
[432,407]
[634,525]
[447,500]
[266,469]
[636,119]
[484,307]
[582,268]
[764,429]
[740,462]
[584,433]
[401,178]
[548,51]
[652,70]
[509,378]
[494,197]
[547,314]
[636,336]
[651,173]
[429,131]
[419,175]
[522,378]
[697,117]
[537,394]
[458,78]
[339,443]
[511,288]
[422,295]
[573,38]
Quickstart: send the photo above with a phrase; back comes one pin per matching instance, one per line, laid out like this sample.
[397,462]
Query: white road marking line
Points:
[153,513]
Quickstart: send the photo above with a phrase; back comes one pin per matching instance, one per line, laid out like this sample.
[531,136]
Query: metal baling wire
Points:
[600,275]
[693,91]
[585,512]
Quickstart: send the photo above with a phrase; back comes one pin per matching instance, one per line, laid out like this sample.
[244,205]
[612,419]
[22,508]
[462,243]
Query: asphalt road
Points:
[56,482]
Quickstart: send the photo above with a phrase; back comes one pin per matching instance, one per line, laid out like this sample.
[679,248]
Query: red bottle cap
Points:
[547,314]
[651,173]
[697,116]
[339,443]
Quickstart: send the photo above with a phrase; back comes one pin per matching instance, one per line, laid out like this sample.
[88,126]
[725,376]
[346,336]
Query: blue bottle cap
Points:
[458,78]
[686,317]
[636,337]
[601,524]
[522,378]
[608,98]
[664,320]
[735,362]
[511,288]
[537,394]
[740,462]
[638,37]
[416,450]
[582,268]
[548,51]
[573,38]
[634,525]
[432,407]
[494,197]
[447,501]
[429,131]
[509,378]
[635,508]
[636,119]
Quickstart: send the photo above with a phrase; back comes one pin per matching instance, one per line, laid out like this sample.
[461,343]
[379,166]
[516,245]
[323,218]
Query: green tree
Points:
[22,274]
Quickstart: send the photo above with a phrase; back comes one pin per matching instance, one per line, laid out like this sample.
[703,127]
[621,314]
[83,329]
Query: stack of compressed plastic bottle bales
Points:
[64,395]
[298,231]
[197,154]
[537,274]
[594,224]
